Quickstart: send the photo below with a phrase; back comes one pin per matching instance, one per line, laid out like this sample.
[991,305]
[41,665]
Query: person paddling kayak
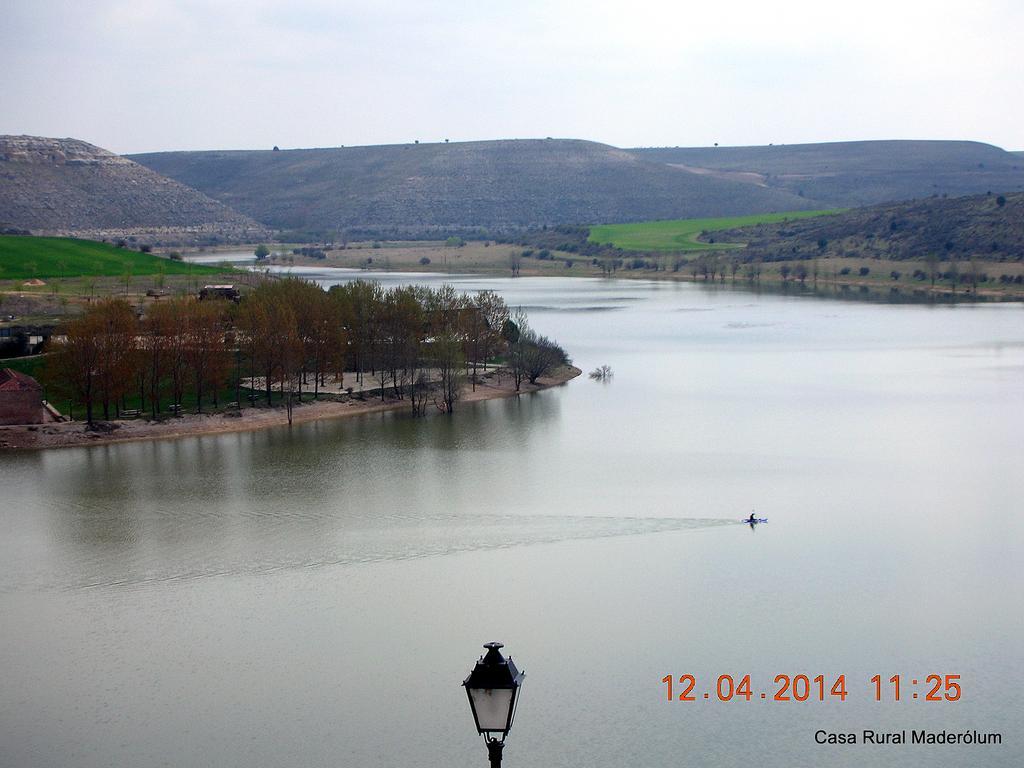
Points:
[751,519]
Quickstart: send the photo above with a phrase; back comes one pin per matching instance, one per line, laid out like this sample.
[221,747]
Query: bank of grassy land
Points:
[26,258]
[44,280]
[680,235]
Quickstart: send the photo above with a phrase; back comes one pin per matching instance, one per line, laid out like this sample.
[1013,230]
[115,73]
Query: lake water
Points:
[314,596]
[234,257]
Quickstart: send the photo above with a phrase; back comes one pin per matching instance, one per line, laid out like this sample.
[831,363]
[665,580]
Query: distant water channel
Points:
[314,596]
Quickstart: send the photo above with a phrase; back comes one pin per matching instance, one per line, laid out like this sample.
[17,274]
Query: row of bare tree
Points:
[108,355]
[290,335]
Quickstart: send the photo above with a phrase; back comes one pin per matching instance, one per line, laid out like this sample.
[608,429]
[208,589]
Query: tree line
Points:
[288,338]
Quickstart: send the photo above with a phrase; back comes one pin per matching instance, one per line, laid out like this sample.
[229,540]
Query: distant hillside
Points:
[493,185]
[951,228]
[847,174]
[66,186]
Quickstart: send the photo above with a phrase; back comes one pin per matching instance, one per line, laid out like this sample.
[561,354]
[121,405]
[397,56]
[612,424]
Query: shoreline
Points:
[846,288]
[74,433]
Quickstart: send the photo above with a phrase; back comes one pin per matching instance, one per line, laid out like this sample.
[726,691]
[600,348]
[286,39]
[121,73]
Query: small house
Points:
[228,292]
[20,340]
[21,399]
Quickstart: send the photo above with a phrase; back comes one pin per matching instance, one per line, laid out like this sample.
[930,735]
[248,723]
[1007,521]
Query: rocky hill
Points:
[986,227]
[67,186]
[847,174]
[430,188]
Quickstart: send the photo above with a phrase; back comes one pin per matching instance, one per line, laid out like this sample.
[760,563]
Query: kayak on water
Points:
[755,520]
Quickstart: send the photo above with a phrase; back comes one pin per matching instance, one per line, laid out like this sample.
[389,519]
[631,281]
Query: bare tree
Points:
[516,333]
[446,352]
[541,356]
[486,317]
[72,367]
[115,326]
[156,330]
[176,344]
[205,350]
[932,262]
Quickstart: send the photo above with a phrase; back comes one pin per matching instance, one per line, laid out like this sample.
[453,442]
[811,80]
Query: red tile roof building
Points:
[21,398]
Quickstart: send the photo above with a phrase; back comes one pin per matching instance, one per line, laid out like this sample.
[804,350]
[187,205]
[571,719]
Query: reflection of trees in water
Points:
[139,507]
[95,524]
[388,437]
[841,292]
[161,509]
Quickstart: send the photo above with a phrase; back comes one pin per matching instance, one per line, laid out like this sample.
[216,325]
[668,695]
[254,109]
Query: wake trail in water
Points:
[395,537]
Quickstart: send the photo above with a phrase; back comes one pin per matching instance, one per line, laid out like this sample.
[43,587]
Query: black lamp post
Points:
[493,690]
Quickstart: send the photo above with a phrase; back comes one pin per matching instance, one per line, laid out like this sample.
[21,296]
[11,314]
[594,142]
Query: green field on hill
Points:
[24,257]
[681,234]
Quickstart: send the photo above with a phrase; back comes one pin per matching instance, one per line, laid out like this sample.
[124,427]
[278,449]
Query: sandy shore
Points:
[75,433]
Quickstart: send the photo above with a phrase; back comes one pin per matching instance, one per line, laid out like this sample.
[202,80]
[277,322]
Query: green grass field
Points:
[681,234]
[23,258]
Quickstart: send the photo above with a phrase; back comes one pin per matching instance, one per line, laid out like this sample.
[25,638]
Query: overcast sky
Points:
[142,75]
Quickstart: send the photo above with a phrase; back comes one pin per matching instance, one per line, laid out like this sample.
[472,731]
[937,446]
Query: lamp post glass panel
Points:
[493,690]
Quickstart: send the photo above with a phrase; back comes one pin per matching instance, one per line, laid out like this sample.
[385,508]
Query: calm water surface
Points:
[314,596]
